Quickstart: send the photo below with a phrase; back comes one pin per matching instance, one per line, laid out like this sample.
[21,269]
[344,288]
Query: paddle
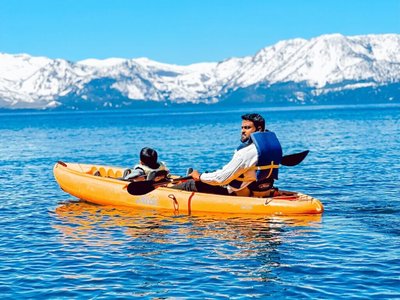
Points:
[144,187]
[294,159]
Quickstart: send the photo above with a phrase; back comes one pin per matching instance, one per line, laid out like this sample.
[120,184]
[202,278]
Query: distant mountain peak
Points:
[290,71]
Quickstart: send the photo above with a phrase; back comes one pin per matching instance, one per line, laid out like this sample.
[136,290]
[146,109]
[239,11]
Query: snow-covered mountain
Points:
[330,68]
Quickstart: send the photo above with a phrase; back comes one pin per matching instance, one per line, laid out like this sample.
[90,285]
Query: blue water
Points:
[54,246]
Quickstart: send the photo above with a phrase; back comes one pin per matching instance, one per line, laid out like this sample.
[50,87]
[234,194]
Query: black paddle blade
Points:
[294,159]
[140,187]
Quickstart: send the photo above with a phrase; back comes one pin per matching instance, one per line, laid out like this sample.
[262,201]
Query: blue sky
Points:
[180,32]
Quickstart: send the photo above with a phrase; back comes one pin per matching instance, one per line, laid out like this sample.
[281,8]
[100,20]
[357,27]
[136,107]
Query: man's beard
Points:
[244,138]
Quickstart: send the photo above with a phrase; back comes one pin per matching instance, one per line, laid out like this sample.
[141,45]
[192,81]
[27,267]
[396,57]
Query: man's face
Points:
[247,129]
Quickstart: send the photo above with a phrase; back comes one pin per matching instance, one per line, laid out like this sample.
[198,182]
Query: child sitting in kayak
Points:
[148,168]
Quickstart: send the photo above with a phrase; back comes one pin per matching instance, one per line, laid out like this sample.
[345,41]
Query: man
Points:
[255,161]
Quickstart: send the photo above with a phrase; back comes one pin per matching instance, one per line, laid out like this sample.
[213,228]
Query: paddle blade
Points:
[140,187]
[294,159]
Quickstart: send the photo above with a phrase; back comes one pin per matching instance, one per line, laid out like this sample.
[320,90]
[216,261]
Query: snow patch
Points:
[326,63]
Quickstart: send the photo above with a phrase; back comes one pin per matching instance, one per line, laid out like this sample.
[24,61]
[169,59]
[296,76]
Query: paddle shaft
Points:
[144,187]
[173,180]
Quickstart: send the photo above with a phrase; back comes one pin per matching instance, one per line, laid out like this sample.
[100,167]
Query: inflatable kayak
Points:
[100,185]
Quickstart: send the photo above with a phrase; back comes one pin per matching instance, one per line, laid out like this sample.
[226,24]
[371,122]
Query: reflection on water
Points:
[89,216]
[80,219]
[219,246]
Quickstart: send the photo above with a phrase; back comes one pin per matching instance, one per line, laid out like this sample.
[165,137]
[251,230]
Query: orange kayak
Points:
[79,181]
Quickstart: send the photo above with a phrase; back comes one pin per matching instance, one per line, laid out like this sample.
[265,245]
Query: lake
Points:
[55,246]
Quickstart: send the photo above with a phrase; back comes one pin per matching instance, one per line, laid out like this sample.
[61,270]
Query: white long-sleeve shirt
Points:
[240,163]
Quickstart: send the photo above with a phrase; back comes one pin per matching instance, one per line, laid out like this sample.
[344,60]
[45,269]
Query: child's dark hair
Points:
[149,157]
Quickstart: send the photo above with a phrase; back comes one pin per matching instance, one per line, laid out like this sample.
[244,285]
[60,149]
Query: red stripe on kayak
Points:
[190,203]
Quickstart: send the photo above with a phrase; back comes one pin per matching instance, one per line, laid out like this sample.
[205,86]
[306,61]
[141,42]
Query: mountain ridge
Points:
[296,71]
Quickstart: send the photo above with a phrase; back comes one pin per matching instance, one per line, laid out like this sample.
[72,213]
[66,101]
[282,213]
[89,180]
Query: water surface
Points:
[55,246]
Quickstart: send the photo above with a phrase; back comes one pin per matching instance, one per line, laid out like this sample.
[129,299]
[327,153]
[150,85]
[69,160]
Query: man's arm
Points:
[225,175]
[239,164]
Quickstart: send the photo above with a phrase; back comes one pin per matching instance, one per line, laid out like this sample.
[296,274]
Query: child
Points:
[148,168]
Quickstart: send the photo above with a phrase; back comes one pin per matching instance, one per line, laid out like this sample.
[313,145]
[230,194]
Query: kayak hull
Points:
[79,181]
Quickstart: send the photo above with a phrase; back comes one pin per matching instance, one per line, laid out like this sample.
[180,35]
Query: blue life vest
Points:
[269,154]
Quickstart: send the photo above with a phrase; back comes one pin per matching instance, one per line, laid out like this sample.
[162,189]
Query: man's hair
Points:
[257,120]
[149,157]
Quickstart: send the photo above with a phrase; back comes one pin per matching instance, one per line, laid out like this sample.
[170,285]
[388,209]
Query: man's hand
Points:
[196,175]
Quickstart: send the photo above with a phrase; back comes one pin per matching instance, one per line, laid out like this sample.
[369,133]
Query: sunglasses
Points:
[247,127]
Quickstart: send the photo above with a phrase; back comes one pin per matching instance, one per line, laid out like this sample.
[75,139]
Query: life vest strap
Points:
[270,167]
[259,168]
